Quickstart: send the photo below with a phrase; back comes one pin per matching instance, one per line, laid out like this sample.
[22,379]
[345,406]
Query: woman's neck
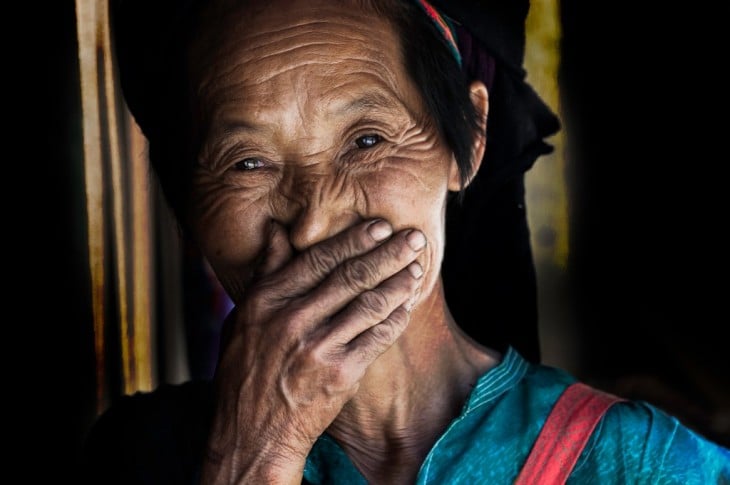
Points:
[410,395]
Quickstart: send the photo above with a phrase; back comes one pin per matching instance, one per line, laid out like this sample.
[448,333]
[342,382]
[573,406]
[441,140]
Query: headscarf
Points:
[488,271]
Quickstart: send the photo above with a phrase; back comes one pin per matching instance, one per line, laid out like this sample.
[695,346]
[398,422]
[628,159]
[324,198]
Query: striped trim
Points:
[443,25]
[497,381]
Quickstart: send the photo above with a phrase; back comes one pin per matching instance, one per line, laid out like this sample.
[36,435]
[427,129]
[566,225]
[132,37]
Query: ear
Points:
[480,99]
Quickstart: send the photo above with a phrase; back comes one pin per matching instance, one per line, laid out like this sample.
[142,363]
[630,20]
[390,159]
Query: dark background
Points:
[645,111]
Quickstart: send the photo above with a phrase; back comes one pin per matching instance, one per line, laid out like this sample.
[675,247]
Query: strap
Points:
[564,435]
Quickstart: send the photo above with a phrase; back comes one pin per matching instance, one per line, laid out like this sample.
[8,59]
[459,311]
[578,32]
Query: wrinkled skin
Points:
[319,200]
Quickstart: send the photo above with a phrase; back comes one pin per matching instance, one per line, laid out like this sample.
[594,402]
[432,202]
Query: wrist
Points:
[229,472]
[258,463]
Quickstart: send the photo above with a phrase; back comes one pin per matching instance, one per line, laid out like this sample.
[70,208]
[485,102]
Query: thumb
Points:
[278,252]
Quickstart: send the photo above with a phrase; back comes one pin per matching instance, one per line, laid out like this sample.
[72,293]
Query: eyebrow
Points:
[371,100]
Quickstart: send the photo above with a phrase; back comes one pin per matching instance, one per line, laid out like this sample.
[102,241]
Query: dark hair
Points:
[440,81]
[153,55]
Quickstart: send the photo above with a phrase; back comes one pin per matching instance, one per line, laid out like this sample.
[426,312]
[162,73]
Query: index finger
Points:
[312,266]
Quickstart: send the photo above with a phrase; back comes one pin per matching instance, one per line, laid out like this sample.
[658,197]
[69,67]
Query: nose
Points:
[323,210]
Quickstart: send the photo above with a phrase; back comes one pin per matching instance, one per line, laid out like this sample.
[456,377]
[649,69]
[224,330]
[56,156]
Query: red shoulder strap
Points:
[564,435]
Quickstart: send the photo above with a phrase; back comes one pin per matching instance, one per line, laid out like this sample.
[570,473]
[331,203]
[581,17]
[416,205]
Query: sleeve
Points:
[638,443]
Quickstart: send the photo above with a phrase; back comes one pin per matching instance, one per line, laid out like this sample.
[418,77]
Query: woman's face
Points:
[308,118]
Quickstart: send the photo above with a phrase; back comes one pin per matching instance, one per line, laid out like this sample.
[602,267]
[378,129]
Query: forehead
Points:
[329,53]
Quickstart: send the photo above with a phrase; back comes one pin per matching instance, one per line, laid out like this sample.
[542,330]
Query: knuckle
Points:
[269,282]
[399,250]
[321,259]
[298,315]
[263,294]
[340,378]
[374,301]
[270,297]
[361,240]
[399,319]
[316,358]
[257,304]
[384,333]
[352,391]
[356,274]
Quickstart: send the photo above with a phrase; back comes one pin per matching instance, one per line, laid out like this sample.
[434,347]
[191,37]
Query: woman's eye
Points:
[367,141]
[248,164]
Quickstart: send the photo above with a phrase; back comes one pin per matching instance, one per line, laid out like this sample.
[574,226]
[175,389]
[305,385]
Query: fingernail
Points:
[416,240]
[416,270]
[380,230]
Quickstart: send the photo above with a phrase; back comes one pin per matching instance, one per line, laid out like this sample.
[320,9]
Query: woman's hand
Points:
[298,345]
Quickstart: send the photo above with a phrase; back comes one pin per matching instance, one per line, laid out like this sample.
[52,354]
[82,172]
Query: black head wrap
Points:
[488,272]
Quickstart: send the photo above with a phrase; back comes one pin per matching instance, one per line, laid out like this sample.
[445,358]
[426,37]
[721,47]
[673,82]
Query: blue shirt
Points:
[489,441]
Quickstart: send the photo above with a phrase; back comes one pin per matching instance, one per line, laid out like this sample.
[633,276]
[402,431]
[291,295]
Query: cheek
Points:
[230,225]
[412,194]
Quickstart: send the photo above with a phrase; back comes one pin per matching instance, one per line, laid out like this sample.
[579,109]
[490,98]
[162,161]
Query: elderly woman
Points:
[310,147]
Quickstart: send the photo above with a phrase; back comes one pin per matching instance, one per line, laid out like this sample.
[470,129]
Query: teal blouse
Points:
[634,443]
